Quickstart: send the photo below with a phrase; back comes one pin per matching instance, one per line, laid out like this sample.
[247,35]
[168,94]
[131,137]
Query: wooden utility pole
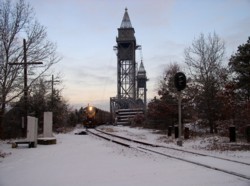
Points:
[52,91]
[25,88]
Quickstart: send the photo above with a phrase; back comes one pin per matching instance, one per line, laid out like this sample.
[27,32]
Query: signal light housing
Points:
[180,81]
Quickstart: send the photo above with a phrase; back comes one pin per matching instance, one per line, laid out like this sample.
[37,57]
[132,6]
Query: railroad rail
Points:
[147,147]
[172,148]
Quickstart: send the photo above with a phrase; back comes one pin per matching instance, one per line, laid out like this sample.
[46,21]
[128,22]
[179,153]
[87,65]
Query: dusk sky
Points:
[85,32]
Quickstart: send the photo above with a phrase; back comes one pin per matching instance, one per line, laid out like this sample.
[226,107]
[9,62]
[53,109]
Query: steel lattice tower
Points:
[126,59]
[142,84]
[131,83]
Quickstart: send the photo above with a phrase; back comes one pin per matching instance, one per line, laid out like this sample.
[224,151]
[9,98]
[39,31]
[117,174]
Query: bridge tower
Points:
[127,91]
[126,60]
[142,85]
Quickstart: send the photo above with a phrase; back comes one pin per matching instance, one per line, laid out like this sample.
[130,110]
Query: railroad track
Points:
[172,148]
[214,161]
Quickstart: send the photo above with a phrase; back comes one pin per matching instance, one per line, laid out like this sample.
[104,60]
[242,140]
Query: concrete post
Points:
[47,124]
[32,130]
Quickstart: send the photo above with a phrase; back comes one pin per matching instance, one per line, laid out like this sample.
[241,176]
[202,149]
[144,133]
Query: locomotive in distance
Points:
[94,116]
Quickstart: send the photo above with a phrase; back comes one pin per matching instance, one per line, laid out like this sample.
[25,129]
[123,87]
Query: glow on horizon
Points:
[85,32]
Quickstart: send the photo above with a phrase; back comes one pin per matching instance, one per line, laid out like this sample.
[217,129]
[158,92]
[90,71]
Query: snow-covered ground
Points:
[199,144]
[87,160]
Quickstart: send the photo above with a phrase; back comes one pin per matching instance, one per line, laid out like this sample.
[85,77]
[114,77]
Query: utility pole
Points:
[52,90]
[25,88]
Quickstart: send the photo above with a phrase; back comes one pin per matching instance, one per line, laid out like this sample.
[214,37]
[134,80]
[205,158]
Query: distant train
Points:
[94,117]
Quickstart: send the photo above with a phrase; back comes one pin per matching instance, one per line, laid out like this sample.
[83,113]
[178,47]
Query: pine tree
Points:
[240,65]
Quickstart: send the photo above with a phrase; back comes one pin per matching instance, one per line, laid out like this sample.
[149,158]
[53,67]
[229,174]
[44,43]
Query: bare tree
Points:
[204,60]
[17,21]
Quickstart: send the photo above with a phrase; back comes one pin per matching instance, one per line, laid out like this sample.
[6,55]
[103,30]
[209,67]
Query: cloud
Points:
[85,32]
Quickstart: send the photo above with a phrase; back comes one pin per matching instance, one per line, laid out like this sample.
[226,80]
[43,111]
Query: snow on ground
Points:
[87,160]
[199,144]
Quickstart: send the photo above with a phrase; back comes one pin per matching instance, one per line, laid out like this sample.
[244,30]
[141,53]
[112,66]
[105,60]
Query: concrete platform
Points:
[46,141]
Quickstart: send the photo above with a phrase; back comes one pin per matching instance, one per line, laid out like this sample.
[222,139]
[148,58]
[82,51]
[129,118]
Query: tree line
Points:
[18,21]
[217,93]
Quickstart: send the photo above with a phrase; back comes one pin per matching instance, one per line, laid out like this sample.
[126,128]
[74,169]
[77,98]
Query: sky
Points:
[85,32]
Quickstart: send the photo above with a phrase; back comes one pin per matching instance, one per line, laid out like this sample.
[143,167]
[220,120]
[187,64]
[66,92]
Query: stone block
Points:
[47,124]
[32,128]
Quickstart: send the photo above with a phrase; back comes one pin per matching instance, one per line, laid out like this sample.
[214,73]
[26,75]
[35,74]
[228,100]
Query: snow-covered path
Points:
[86,160]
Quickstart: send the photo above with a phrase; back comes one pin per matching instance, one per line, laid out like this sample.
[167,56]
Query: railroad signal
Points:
[180,81]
